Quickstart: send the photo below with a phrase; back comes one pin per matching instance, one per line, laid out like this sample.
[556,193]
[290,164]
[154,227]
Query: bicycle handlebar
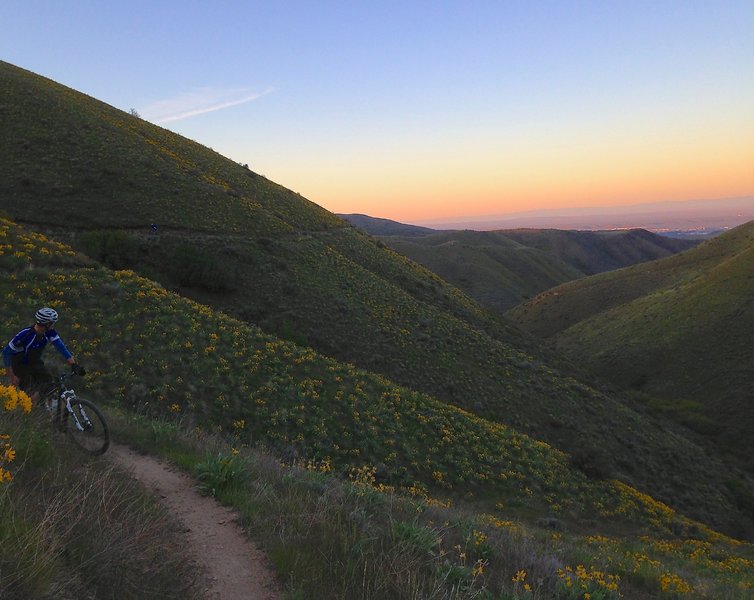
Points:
[76,369]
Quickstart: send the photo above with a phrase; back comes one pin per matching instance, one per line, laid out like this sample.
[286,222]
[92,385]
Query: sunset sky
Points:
[423,110]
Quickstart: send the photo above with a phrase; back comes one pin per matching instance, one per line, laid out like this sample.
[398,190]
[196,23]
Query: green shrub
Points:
[194,267]
[417,537]
[116,249]
[219,474]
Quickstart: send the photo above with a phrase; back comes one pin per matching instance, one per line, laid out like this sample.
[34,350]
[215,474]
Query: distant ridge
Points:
[501,269]
[378,226]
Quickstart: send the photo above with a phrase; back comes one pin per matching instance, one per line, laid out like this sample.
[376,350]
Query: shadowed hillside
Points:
[680,330]
[263,389]
[182,396]
[500,269]
[99,178]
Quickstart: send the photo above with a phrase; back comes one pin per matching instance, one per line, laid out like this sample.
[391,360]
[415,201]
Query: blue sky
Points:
[420,110]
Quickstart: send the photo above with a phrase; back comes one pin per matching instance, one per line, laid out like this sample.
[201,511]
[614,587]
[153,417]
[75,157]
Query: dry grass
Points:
[73,527]
[335,539]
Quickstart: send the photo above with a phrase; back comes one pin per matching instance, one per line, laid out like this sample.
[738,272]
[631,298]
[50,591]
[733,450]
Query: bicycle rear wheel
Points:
[87,427]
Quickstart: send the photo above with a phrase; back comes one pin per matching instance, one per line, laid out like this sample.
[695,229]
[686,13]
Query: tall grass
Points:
[330,538]
[73,527]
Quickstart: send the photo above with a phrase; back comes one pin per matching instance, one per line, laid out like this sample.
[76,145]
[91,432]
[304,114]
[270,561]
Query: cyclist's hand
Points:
[77,369]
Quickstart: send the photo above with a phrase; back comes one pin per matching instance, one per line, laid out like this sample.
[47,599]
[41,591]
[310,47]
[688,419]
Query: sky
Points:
[417,111]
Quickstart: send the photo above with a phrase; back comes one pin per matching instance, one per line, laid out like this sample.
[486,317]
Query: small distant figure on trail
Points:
[22,356]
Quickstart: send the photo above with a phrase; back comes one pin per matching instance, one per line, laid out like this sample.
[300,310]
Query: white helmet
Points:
[46,316]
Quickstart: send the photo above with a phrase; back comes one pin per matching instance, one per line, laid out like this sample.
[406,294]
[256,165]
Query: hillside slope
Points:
[340,421]
[680,330]
[225,375]
[500,269]
[99,178]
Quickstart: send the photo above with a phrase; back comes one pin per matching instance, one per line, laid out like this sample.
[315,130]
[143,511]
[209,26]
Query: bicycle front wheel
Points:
[86,426]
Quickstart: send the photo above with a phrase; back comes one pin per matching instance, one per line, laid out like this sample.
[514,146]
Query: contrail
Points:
[199,102]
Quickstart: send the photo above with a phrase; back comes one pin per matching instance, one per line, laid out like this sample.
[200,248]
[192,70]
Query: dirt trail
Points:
[235,567]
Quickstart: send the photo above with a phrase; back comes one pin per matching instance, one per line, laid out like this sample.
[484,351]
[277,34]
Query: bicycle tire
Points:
[86,426]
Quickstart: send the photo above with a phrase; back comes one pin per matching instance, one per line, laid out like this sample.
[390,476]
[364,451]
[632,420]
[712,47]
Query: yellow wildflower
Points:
[520,576]
[478,568]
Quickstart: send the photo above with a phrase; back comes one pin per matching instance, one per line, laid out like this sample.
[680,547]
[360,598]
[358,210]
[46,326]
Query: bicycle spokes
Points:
[86,426]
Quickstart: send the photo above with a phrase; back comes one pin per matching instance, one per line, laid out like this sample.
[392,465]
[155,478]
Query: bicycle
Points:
[80,419]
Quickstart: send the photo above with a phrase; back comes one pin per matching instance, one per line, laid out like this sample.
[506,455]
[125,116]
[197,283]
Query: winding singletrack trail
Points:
[236,569]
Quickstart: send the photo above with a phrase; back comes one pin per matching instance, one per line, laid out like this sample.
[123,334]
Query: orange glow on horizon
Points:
[589,176]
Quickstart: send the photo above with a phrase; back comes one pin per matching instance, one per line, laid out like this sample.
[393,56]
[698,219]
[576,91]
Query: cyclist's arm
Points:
[65,352]
[6,356]
[7,352]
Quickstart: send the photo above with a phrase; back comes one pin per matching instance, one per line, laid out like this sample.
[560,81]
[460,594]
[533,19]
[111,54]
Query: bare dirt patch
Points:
[235,567]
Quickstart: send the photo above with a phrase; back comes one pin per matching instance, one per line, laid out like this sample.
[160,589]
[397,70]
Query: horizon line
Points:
[574,211]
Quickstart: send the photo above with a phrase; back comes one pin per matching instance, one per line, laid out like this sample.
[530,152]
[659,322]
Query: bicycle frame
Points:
[66,395]
[79,418]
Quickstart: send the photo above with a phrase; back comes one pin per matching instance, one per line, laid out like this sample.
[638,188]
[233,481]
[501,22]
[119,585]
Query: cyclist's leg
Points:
[24,373]
[39,381]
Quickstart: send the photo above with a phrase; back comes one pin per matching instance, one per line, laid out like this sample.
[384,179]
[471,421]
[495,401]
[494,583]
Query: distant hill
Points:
[680,330]
[377,226]
[501,269]
[98,178]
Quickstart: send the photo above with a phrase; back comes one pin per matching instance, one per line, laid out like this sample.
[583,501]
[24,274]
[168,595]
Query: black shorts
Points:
[32,375]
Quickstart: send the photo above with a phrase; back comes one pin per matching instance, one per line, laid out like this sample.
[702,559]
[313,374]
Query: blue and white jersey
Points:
[26,341]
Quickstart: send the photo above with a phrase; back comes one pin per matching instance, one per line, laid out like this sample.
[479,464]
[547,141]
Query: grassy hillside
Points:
[288,396]
[99,178]
[679,330]
[495,270]
[500,269]
[593,252]
[145,346]
[83,157]
[151,352]
[77,528]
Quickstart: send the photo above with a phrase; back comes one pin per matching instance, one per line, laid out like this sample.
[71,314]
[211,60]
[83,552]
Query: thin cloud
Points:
[199,102]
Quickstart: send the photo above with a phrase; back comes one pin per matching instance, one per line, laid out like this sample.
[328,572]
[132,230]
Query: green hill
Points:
[500,269]
[680,330]
[164,355]
[98,178]
[593,252]
[160,353]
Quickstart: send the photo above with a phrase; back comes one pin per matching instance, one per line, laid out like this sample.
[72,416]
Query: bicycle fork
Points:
[80,418]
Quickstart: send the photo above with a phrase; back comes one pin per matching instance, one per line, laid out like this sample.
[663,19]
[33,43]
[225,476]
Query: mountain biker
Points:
[22,356]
